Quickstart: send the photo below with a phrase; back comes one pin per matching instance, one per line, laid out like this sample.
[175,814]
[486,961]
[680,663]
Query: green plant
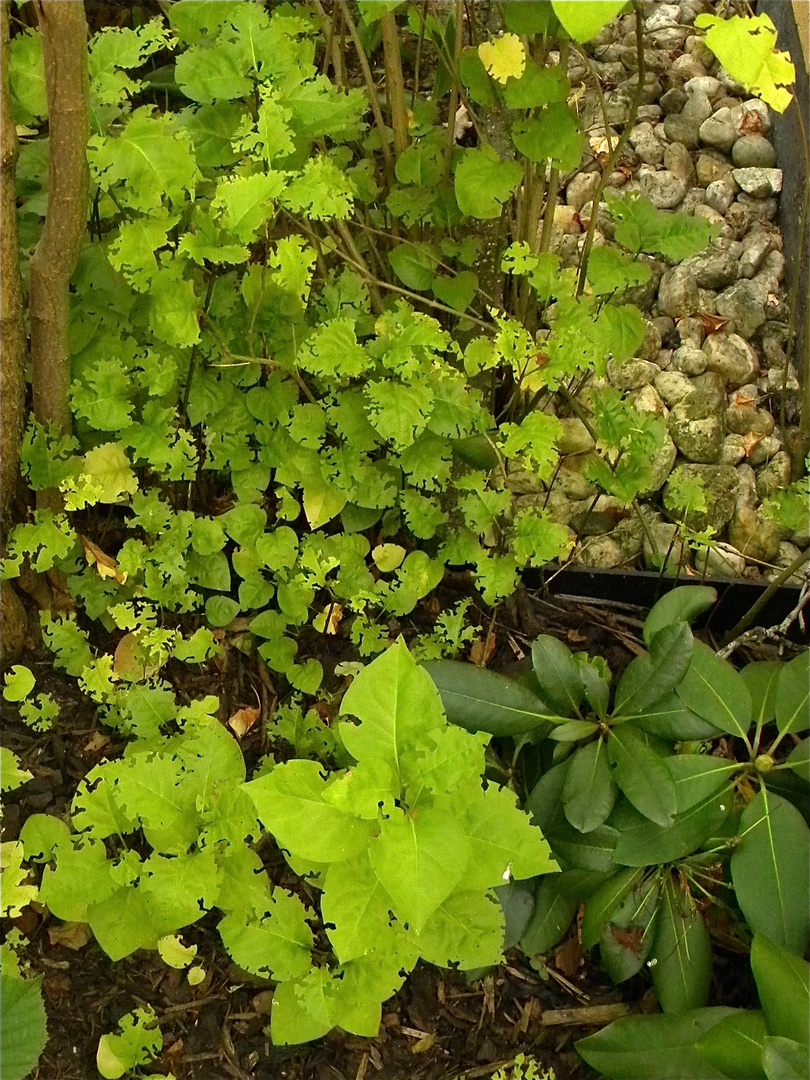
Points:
[643,808]
[24,1029]
[138,1042]
[769,1043]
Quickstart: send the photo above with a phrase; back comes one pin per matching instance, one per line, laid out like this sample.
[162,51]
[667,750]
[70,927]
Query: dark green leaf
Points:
[761,678]
[681,604]
[735,1045]
[602,904]
[456,290]
[557,675]
[698,777]
[681,962]
[573,731]
[714,690]
[799,759]
[648,678]
[474,76]
[530,17]
[593,851]
[536,86]
[783,985]
[481,700]
[670,719]
[641,774]
[554,135]
[642,1047]
[769,868]
[415,264]
[517,904]
[590,791]
[552,915]
[627,939]
[645,843]
[792,694]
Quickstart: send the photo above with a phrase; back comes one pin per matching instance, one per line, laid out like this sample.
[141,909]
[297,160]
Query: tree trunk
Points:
[64,44]
[12,329]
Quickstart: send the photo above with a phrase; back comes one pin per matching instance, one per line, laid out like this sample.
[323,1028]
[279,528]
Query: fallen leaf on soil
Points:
[243,720]
[568,957]
[73,935]
[106,566]
[96,742]
[481,650]
[329,619]
[128,661]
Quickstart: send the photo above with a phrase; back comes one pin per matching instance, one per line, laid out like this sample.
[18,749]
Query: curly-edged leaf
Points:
[783,985]
[792,694]
[746,47]
[277,945]
[714,690]
[770,871]
[481,700]
[640,227]
[24,1029]
[557,675]
[641,774]
[639,1047]
[590,790]
[682,970]
[550,918]
[646,843]
[648,678]
[584,21]
[208,74]
[735,1045]
[610,271]
[484,182]
[398,412]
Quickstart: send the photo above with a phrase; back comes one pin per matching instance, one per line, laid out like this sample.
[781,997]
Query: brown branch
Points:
[12,329]
[64,45]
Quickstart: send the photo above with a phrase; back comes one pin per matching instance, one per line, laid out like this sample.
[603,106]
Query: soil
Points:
[439,1026]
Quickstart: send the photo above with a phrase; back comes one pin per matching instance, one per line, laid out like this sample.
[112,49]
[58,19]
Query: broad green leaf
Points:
[792,695]
[140,1041]
[554,135]
[484,182]
[590,790]
[714,690]
[640,1047]
[26,76]
[550,919]
[276,945]
[799,759]
[536,86]
[24,1029]
[761,678]
[783,985]
[583,21]
[11,775]
[641,774]
[698,776]
[398,412]
[530,17]
[358,906]
[785,1059]
[573,731]
[294,792]
[466,929]
[397,704]
[770,871]
[481,700]
[502,842]
[207,74]
[592,851]
[682,967]
[648,678]
[670,719]
[121,924]
[221,610]
[746,47]
[419,858]
[611,271]
[621,328]
[640,227]
[735,1044]
[646,843]
[415,264]
[600,905]
[19,682]
[474,76]
[517,904]
[457,290]
[681,604]
[557,675]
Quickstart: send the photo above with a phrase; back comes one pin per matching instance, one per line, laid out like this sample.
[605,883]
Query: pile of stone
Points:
[713,360]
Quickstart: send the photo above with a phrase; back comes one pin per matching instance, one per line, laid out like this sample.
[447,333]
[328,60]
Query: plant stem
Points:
[373,97]
[729,641]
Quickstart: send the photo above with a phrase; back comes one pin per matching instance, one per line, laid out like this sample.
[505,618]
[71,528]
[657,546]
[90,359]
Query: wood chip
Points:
[586,1015]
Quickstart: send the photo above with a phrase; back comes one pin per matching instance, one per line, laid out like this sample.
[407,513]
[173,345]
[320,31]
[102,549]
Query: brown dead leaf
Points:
[712,324]
[481,650]
[751,122]
[329,619]
[750,441]
[73,935]
[96,743]
[129,663]
[568,957]
[243,720]
[105,564]
[576,637]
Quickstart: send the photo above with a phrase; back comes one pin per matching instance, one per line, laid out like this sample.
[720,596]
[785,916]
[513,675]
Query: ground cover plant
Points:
[310,339]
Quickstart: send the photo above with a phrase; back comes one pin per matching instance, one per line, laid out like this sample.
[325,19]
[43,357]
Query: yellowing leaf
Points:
[195,976]
[129,660]
[174,952]
[746,47]
[328,621]
[503,57]
[388,557]
[104,564]
[243,720]
[73,935]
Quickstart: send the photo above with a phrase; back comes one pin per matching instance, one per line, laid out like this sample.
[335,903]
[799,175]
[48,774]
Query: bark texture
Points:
[64,45]
[12,329]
